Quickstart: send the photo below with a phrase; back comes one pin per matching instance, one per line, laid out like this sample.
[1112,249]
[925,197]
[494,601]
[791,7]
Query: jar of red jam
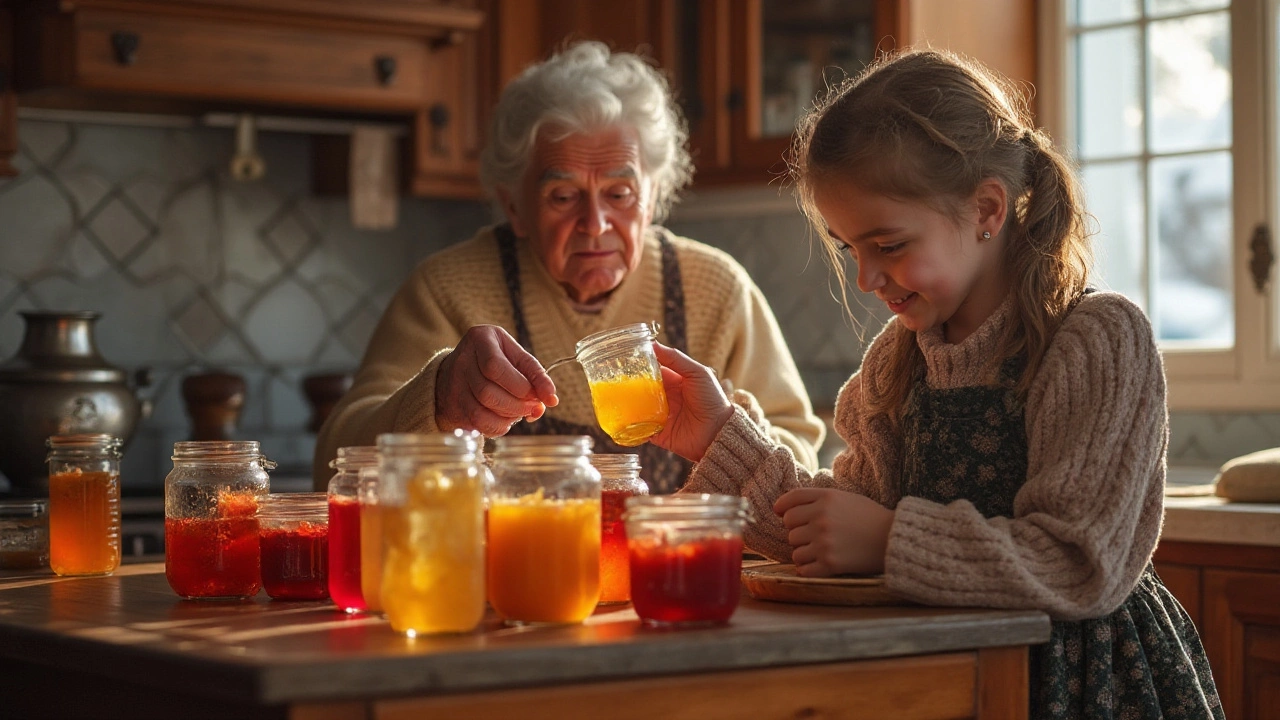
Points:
[619,480]
[210,518]
[344,525]
[686,557]
[293,534]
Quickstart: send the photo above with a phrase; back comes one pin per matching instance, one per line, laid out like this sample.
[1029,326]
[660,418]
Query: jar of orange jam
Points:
[544,530]
[84,504]
[626,382]
[619,480]
[431,496]
[370,540]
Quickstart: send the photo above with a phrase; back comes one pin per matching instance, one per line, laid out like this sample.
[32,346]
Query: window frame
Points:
[1247,376]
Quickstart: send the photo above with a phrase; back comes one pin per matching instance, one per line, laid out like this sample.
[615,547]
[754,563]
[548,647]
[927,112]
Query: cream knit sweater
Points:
[1088,516]
[729,326]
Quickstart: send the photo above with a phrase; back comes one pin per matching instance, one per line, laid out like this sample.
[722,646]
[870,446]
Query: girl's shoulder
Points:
[1106,313]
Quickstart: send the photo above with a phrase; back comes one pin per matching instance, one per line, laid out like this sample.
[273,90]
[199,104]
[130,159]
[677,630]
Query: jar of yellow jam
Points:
[544,530]
[626,382]
[431,497]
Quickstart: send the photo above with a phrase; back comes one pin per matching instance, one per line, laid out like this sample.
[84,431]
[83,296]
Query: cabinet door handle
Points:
[385,66]
[1261,258]
[125,46]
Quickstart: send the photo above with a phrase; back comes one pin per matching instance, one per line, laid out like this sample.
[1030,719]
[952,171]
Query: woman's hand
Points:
[834,531]
[488,383]
[696,402]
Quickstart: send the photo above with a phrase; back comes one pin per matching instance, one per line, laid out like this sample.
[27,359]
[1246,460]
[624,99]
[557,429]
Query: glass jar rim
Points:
[509,446]
[23,507]
[217,450]
[687,506]
[633,334]
[355,457]
[84,441]
[616,462]
[312,506]
[459,444]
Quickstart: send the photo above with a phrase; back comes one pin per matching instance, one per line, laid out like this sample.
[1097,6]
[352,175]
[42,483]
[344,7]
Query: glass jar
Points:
[344,525]
[24,534]
[293,532]
[619,480]
[625,381]
[686,557]
[431,493]
[370,540]
[84,504]
[544,529]
[210,518]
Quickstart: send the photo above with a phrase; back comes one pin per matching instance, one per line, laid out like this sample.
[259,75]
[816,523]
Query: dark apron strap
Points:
[663,470]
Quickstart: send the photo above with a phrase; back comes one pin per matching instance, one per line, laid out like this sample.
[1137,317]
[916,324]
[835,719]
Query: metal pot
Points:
[58,384]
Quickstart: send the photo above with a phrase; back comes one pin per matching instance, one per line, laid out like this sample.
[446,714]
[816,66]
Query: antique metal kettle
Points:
[59,384]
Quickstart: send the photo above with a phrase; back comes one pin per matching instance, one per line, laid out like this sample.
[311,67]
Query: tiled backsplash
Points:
[192,270]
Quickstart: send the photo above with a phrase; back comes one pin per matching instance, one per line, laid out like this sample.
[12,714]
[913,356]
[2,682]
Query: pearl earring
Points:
[986,235]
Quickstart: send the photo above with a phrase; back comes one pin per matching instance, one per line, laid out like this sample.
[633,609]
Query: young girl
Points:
[1007,430]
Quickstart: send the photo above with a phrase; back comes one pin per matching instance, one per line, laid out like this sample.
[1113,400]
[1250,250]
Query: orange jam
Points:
[371,556]
[544,558]
[631,409]
[84,522]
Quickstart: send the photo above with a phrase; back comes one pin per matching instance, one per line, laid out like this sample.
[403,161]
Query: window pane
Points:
[1169,7]
[1113,195]
[1192,255]
[1097,12]
[1191,83]
[1110,110]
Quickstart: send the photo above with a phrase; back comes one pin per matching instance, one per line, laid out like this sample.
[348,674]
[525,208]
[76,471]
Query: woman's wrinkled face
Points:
[584,205]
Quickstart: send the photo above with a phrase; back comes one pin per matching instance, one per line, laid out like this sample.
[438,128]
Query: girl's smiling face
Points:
[930,269]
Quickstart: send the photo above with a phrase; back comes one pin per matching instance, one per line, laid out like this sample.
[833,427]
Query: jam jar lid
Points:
[688,507]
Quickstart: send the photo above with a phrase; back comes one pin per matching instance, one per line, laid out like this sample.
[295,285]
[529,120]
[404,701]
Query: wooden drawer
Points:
[236,60]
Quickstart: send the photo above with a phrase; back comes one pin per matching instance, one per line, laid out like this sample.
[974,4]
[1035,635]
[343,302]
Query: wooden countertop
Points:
[130,626]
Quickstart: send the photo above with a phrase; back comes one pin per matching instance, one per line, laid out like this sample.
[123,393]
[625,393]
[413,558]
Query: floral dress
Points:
[1144,660]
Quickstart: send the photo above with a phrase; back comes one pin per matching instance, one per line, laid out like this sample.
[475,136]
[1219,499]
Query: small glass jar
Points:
[626,382]
[293,532]
[344,525]
[686,557]
[370,540]
[544,529]
[84,504]
[24,534]
[619,480]
[431,493]
[210,518]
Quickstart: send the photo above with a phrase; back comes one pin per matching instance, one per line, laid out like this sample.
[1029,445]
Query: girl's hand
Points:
[834,531]
[697,406]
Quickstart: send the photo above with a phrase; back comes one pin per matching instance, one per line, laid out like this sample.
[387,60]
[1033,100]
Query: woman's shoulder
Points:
[705,261]
[465,261]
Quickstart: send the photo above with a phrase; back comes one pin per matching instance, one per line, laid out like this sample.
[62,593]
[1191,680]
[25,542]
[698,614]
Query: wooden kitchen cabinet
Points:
[1232,592]
[383,59]
[744,70]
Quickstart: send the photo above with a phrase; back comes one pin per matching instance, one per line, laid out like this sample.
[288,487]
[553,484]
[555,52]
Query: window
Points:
[1168,107]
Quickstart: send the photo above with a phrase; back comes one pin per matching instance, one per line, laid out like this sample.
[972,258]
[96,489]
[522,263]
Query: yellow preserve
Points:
[544,558]
[371,556]
[433,554]
[631,408]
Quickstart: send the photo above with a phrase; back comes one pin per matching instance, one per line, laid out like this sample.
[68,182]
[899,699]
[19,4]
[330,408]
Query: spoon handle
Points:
[558,363]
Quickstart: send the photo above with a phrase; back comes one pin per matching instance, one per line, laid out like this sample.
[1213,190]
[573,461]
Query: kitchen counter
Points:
[1203,517]
[65,641]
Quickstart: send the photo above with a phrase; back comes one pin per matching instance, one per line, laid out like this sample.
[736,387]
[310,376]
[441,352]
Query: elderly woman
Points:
[587,149]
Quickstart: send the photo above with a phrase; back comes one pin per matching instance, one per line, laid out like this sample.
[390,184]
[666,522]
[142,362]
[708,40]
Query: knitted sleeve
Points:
[1087,519]
[744,460]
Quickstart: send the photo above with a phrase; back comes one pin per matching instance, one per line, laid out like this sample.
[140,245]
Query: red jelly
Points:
[615,571]
[344,553]
[212,558]
[693,581]
[295,561]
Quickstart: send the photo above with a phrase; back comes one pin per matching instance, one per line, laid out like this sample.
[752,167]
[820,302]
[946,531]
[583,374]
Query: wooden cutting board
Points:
[779,582]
